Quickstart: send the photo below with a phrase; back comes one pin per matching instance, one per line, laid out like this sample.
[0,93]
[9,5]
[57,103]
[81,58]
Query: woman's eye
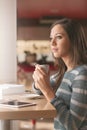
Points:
[58,37]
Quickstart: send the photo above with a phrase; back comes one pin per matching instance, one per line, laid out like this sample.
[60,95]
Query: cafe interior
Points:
[34,18]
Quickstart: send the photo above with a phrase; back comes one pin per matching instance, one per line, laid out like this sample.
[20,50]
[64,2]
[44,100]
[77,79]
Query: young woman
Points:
[69,47]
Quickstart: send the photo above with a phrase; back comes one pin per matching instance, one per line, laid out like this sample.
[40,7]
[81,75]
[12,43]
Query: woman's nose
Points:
[53,42]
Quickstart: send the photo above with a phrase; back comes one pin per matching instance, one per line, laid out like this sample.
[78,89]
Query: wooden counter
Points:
[42,109]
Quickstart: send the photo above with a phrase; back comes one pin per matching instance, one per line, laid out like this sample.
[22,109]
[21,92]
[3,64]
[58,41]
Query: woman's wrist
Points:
[49,94]
[36,90]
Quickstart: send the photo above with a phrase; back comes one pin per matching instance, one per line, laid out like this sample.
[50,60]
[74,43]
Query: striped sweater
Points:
[71,101]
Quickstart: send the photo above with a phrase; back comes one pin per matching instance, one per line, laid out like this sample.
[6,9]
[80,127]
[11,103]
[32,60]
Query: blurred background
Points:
[34,18]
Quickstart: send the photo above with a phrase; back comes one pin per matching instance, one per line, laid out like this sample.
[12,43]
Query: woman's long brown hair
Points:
[78,41]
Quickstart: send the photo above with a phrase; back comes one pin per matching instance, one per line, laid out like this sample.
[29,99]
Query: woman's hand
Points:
[42,82]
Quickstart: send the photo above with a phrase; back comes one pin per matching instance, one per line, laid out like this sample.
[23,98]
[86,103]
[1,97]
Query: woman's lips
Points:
[54,50]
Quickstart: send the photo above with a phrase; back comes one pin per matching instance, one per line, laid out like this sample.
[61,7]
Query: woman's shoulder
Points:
[80,70]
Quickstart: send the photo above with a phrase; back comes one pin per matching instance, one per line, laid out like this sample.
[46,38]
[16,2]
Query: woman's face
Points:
[60,43]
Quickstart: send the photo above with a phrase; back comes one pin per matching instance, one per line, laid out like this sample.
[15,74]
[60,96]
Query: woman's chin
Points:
[55,55]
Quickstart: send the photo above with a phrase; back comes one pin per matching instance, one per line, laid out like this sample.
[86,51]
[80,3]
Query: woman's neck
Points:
[70,65]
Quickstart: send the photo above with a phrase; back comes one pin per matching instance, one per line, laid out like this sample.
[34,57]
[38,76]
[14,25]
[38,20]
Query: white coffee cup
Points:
[45,67]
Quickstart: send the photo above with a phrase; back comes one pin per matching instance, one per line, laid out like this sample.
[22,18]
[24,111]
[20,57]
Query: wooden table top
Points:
[42,109]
